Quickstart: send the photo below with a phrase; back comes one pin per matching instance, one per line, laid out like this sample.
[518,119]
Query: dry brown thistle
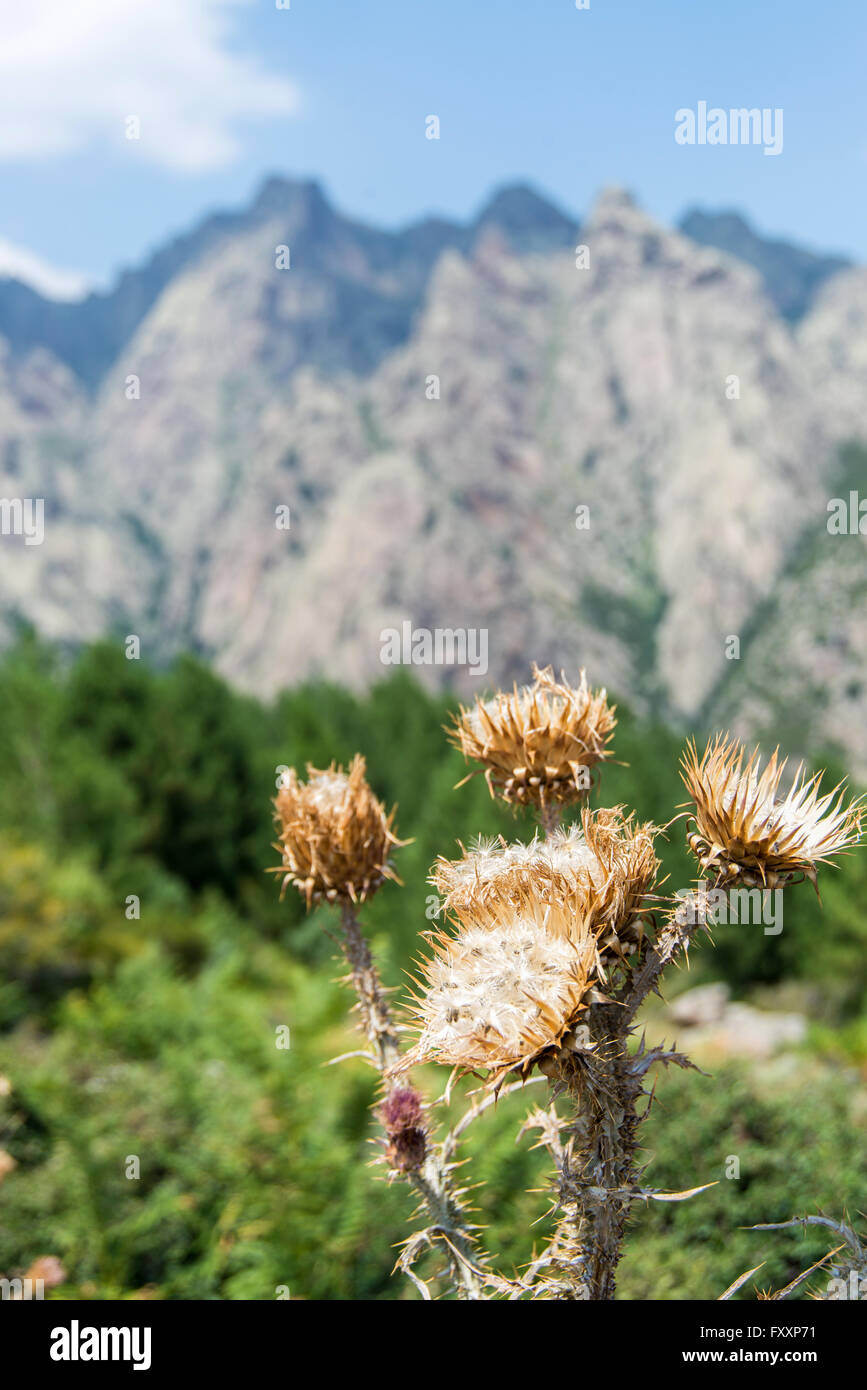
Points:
[539,744]
[607,865]
[550,950]
[538,973]
[745,832]
[335,837]
[549,960]
[507,989]
[335,840]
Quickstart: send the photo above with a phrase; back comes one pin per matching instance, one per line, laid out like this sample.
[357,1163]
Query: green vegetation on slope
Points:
[153,1036]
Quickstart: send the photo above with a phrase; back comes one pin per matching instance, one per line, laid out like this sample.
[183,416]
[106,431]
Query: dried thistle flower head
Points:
[505,990]
[608,865]
[540,743]
[745,832]
[334,835]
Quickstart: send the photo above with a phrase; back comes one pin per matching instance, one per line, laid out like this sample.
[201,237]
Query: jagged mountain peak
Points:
[615,208]
[302,202]
[613,198]
[792,274]
[529,220]
[89,336]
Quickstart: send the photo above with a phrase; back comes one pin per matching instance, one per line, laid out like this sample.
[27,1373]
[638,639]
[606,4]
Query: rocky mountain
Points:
[89,335]
[792,275]
[608,445]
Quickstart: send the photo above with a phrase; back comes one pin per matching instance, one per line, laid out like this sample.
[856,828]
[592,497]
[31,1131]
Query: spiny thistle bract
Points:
[540,743]
[334,835]
[508,986]
[539,927]
[745,832]
[606,867]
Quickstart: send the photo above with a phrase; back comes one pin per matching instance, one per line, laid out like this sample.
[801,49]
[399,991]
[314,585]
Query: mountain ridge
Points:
[88,335]
[435,420]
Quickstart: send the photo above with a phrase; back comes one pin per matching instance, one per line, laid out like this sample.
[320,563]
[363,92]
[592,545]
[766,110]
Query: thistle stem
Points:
[674,935]
[597,1175]
[447,1220]
[372,1005]
[448,1226]
[595,1171]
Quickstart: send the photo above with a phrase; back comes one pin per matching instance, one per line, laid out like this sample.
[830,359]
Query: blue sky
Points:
[228,91]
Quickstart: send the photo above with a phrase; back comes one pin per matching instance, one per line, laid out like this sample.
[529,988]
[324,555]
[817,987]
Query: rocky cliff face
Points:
[792,275]
[619,458]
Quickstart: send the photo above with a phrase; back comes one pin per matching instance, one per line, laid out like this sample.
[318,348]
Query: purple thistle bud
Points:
[407,1149]
[402,1110]
[402,1117]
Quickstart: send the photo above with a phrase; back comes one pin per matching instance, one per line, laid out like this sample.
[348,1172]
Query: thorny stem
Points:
[597,1177]
[447,1220]
[480,1106]
[853,1264]
[448,1226]
[838,1227]
[595,1165]
[372,1004]
[675,934]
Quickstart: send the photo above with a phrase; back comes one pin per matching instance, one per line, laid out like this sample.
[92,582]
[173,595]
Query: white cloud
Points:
[73,71]
[18,264]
